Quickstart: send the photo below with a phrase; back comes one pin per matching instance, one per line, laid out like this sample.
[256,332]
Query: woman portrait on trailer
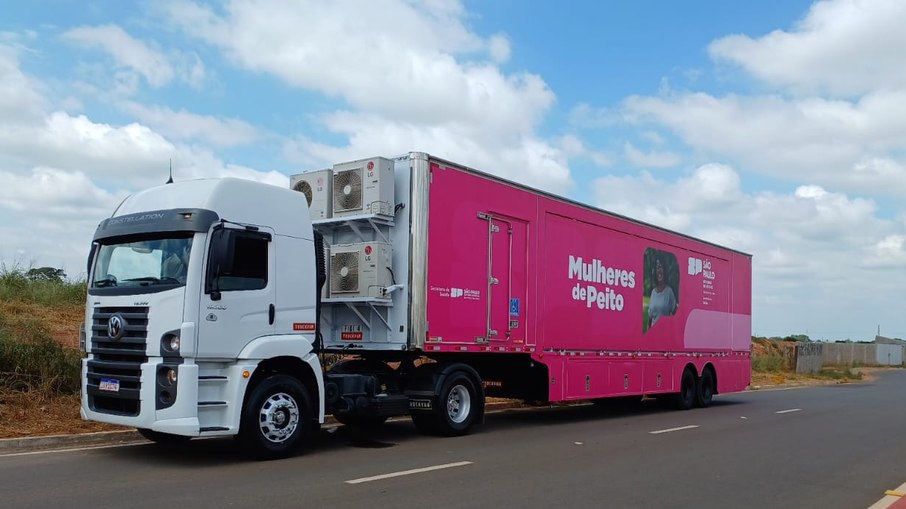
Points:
[663,300]
[662,281]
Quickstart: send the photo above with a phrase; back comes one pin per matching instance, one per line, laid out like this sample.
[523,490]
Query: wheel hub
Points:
[459,404]
[279,417]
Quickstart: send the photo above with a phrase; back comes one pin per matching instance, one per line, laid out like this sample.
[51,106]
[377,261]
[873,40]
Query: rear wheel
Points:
[276,418]
[458,408]
[705,392]
[685,399]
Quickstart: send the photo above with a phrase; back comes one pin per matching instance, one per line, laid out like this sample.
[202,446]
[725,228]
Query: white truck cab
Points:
[186,309]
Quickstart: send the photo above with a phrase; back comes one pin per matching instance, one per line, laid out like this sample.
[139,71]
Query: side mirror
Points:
[220,259]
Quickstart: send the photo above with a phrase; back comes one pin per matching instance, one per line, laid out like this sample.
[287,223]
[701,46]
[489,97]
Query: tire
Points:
[163,438]
[705,390]
[685,399]
[458,408]
[276,418]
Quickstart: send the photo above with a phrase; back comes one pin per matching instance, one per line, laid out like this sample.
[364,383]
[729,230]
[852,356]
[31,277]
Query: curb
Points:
[55,442]
[47,443]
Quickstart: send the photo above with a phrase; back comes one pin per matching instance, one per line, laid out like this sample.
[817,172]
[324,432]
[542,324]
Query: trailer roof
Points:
[414,155]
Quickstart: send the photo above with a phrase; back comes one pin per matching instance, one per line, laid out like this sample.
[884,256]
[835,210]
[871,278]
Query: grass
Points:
[840,373]
[38,338]
[769,364]
[39,364]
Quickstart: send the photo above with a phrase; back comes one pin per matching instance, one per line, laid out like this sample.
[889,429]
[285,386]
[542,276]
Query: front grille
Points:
[120,360]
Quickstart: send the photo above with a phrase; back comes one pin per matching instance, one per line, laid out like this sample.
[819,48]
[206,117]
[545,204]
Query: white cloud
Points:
[63,173]
[21,99]
[128,52]
[650,159]
[135,59]
[830,142]
[845,47]
[57,194]
[499,47]
[183,125]
[412,89]
[585,116]
[888,253]
[76,143]
[815,252]
[529,161]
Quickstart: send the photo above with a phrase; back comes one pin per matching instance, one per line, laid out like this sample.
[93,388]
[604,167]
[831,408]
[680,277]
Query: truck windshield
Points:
[145,262]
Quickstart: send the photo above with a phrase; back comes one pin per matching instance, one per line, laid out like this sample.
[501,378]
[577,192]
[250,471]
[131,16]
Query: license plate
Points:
[109,384]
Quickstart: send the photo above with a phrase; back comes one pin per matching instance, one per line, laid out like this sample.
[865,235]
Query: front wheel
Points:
[276,418]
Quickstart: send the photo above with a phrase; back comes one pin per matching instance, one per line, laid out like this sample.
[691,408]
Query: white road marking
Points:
[670,430]
[409,472]
[789,411]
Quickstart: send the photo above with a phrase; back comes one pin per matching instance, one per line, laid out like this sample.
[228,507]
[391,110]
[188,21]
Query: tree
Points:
[46,274]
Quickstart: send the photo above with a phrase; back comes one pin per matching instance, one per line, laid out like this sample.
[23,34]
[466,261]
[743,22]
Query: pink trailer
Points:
[608,306]
[512,292]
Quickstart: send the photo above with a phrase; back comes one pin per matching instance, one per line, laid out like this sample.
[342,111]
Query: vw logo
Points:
[116,326]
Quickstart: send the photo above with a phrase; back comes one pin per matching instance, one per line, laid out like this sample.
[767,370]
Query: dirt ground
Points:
[29,414]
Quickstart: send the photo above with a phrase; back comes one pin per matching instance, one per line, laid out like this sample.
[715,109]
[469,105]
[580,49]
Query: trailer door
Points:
[507,282]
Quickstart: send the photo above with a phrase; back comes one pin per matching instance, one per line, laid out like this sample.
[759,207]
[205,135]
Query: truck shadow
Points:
[332,438]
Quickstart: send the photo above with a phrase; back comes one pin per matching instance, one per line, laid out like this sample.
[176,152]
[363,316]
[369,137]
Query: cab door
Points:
[238,304]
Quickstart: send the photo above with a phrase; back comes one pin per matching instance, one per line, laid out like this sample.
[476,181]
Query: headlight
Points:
[169,343]
[166,376]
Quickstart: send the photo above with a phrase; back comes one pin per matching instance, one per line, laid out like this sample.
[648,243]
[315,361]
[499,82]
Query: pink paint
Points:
[612,306]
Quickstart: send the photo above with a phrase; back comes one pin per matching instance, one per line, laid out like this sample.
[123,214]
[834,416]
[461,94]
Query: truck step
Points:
[209,429]
[212,403]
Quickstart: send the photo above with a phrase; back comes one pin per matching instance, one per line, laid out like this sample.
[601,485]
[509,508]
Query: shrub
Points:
[38,365]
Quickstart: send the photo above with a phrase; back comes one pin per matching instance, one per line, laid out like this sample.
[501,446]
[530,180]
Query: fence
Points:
[812,357]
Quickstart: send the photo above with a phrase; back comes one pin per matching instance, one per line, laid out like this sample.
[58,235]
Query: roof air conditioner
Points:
[363,187]
[360,270]
[315,185]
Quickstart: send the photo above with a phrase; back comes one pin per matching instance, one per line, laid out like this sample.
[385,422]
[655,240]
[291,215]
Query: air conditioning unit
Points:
[360,270]
[363,187]
[315,185]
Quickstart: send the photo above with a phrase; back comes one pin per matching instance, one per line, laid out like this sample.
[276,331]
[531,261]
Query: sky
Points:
[776,127]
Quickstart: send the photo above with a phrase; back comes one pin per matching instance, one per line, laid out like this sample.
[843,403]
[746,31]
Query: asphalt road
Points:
[837,446]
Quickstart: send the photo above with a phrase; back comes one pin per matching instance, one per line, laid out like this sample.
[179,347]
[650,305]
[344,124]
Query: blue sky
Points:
[774,127]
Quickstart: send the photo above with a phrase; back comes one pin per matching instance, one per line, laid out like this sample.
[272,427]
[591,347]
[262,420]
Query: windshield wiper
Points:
[155,280]
[103,283]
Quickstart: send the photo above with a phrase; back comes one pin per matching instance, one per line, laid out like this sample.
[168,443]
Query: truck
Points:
[385,287]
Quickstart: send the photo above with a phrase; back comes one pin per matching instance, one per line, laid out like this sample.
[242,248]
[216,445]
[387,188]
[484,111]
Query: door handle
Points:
[270,314]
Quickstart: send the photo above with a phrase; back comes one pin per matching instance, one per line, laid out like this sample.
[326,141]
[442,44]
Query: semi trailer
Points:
[214,304]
